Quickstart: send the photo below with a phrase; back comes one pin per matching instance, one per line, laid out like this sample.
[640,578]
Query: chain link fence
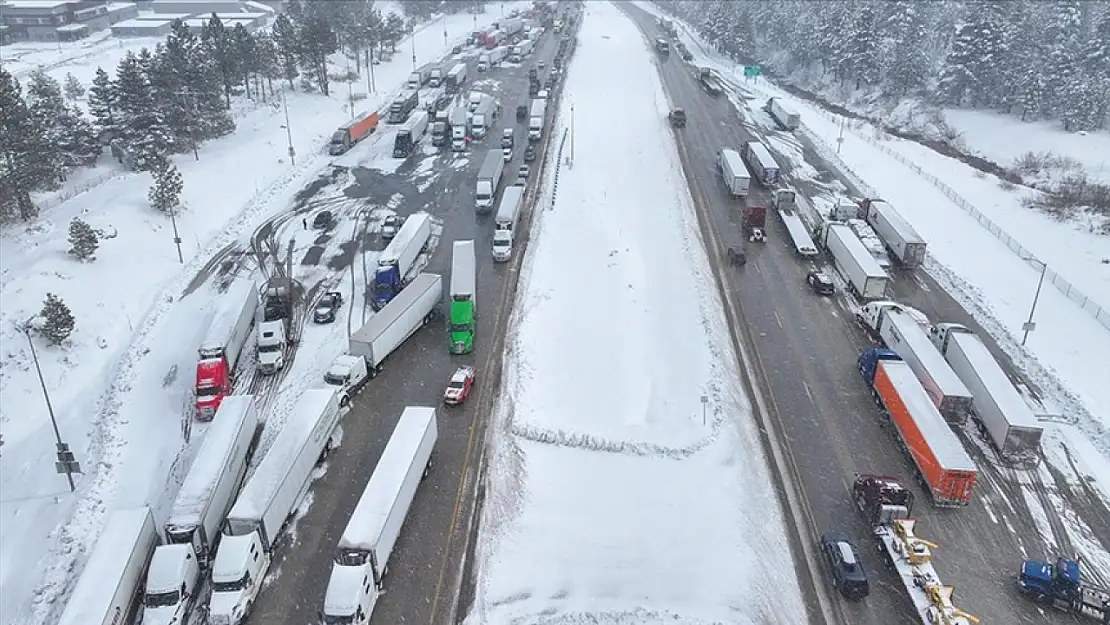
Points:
[1102,315]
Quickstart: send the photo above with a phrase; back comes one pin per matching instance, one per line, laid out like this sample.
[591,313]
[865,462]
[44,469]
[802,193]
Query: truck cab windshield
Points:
[276,347]
[331,619]
[352,558]
[501,242]
[336,380]
[338,137]
[460,327]
[208,391]
[161,599]
[232,586]
[383,288]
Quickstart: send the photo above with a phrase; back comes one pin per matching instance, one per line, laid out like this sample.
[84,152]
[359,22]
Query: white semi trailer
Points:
[904,243]
[397,321]
[866,278]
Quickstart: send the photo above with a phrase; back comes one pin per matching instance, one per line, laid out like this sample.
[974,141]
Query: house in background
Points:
[200,8]
[60,20]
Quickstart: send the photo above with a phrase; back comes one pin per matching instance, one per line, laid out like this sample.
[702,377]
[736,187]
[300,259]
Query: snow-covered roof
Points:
[239,16]
[368,520]
[158,17]
[1009,401]
[857,249]
[167,567]
[126,532]
[268,477]
[344,587]
[934,429]
[258,6]
[72,28]
[36,4]
[211,460]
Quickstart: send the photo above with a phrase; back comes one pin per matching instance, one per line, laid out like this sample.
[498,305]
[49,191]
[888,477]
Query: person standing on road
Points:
[304,222]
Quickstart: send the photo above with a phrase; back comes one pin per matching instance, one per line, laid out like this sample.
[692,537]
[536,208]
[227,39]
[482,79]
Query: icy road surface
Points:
[609,500]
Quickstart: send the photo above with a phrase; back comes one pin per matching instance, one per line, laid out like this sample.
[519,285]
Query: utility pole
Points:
[288,131]
[704,403]
[64,462]
[572,134]
[1029,325]
[840,139]
[176,236]
[412,39]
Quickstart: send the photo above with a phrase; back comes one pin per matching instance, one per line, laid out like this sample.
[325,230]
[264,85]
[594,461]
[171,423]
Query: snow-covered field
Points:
[1065,354]
[614,494]
[122,385]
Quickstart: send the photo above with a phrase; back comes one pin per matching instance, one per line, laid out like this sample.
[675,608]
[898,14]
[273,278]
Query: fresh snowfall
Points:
[615,495]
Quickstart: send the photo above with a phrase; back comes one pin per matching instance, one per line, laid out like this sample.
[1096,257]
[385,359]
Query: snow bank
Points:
[614,495]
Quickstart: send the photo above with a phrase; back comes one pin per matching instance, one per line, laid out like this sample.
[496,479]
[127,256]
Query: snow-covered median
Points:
[614,495]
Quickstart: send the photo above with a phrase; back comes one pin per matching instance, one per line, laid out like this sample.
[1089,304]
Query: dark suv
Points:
[842,557]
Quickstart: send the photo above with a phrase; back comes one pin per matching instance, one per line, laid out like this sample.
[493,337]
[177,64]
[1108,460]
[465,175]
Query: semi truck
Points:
[277,314]
[347,374]
[493,39]
[420,77]
[511,27]
[733,172]
[871,241]
[483,62]
[483,117]
[352,132]
[409,135]
[865,277]
[887,505]
[396,322]
[996,404]
[379,516]
[223,343]
[403,106]
[489,177]
[1060,585]
[498,55]
[784,116]
[458,129]
[441,129]
[943,464]
[108,590]
[456,78]
[786,204]
[755,222]
[269,498]
[463,313]
[905,245]
[396,261]
[521,51]
[898,330]
[761,163]
[536,119]
[504,226]
[435,77]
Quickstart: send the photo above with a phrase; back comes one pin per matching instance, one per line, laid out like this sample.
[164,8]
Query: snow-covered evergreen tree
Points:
[142,130]
[288,47]
[57,320]
[242,46]
[73,88]
[906,65]
[958,76]
[70,138]
[26,164]
[218,45]
[317,41]
[268,61]
[102,103]
[864,49]
[83,240]
[165,192]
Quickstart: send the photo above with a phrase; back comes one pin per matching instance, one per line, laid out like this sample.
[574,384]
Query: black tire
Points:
[344,401]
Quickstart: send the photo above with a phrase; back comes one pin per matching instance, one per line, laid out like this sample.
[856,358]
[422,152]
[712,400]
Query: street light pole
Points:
[176,236]
[412,38]
[704,403]
[1029,325]
[288,131]
[65,462]
[572,134]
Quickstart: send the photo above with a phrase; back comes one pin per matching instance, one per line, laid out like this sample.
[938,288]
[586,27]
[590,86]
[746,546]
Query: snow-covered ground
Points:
[614,494]
[1065,354]
[121,387]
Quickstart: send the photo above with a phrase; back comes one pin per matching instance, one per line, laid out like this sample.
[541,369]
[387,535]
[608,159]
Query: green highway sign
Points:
[751,70]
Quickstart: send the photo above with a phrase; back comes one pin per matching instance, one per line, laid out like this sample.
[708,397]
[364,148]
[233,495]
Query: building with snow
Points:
[60,20]
[142,28]
[198,8]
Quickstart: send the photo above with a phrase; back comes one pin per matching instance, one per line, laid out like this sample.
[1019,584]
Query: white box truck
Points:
[376,523]
[456,78]
[498,55]
[483,117]
[489,177]
[458,129]
[897,328]
[108,590]
[733,172]
[907,247]
[267,501]
[435,77]
[783,115]
[395,323]
[865,277]
[761,163]
[996,404]
[504,225]
[536,119]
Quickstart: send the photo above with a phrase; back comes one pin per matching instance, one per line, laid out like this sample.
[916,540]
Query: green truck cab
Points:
[463,312]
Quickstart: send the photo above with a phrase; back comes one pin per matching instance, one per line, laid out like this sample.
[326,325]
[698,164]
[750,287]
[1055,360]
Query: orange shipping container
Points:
[364,126]
[938,454]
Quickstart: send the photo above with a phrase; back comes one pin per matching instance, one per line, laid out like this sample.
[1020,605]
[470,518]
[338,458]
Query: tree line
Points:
[172,99]
[1037,60]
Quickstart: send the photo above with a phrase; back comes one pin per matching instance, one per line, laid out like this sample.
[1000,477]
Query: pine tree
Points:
[268,61]
[217,42]
[317,41]
[865,48]
[83,240]
[25,163]
[44,98]
[394,30]
[142,129]
[958,75]
[288,47]
[242,46]
[165,192]
[102,102]
[74,90]
[57,320]
[212,113]
[906,63]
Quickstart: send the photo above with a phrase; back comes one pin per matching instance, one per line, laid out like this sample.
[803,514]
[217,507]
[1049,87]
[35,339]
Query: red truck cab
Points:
[213,384]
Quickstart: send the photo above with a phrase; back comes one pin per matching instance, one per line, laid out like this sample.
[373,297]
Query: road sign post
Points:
[751,71]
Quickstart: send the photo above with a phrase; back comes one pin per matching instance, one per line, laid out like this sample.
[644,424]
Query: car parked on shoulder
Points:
[459,387]
[845,566]
[820,282]
[327,307]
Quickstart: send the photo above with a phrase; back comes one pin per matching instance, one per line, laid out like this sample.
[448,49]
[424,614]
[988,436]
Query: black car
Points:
[327,307]
[322,221]
[846,568]
[522,112]
[530,154]
[820,282]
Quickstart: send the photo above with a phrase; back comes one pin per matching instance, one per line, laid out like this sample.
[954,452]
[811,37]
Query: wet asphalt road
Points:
[807,348]
[424,571]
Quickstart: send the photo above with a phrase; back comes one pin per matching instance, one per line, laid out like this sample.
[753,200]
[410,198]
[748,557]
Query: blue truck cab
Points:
[869,361]
[1061,586]
[387,284]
